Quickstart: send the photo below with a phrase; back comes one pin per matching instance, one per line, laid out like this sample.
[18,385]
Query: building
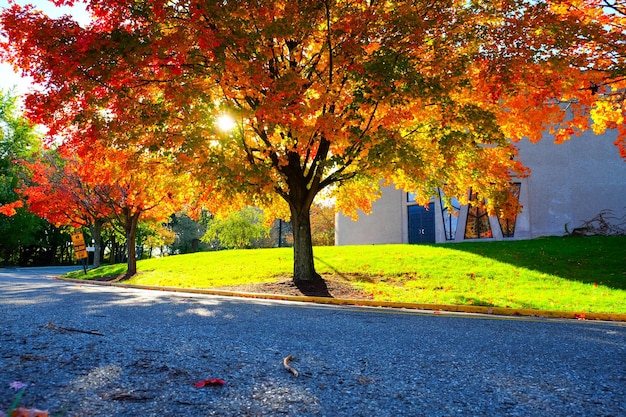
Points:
[569,184]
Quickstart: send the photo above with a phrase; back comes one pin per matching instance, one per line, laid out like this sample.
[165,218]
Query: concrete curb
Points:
[435,308]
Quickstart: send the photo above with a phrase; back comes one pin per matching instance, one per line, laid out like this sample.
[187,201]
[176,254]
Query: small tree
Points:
[188,233]
[151,235]
[323,225]
[135,186]
[241,229]
[93,185]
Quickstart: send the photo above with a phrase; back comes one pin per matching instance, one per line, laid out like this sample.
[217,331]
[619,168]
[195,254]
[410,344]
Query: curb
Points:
[435,308]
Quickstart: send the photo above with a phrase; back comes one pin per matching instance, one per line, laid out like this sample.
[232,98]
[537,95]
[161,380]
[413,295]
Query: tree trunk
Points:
[96,233]
[113,254]
[131,235]
[303,263]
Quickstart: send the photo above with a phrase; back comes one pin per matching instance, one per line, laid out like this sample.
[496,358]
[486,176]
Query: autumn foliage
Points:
[94,185]
[324,93]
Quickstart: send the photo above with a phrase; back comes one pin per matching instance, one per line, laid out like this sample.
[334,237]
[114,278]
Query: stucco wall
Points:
[572,182]
[384,225]
[569,183]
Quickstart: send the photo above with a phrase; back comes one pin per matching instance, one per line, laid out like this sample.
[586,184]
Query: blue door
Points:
[422,224]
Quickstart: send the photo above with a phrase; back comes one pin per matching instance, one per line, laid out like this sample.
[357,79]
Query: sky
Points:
[8,78]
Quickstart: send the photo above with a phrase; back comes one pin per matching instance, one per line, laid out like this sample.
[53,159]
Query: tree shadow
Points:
[314,288]
[589,259]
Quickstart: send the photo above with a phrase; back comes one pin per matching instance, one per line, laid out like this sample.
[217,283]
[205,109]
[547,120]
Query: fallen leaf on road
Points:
[213,382]
[28,412]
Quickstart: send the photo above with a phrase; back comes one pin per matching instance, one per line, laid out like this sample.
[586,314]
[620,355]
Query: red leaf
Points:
[213,382]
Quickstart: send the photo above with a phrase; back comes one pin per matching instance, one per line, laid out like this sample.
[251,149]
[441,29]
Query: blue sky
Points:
[8,78]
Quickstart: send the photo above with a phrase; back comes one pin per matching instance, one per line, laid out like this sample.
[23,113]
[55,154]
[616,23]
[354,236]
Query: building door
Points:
[422,224]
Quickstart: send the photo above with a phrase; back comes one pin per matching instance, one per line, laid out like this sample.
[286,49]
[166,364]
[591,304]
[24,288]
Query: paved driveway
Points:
[98,351]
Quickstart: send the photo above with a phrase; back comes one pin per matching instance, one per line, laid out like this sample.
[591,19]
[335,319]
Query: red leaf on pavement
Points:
[213,382]
[28,412]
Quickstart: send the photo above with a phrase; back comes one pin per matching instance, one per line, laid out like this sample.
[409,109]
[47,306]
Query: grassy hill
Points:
[585,274]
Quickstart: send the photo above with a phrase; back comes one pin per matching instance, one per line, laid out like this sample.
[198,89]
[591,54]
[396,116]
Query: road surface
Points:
[89,350]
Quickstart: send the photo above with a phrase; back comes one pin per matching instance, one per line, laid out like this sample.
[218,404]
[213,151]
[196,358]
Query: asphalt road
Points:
[98,351]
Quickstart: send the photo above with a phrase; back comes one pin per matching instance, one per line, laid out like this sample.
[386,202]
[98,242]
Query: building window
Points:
[450,217]
[508,216]
[477,225]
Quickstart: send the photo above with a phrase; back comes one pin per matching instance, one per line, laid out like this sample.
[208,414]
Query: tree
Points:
[19,229]
[153,234]
[323,225]
[134,186]
[326,93]
[187,232]
[59,192]
[17,141]
[94,185]
[602,56]
[240,230]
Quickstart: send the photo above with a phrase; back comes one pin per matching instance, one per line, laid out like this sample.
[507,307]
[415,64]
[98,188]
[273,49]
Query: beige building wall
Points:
[384,225]
[572,182]
[569,184]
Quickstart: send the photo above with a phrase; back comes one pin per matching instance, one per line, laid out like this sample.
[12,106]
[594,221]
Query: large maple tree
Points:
[427,94]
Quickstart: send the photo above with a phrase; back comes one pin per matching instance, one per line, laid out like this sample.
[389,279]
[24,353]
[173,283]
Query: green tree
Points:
[188,233]
[241,229]
[21,231]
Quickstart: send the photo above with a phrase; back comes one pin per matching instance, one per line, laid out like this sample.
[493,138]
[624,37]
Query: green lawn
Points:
[586,274]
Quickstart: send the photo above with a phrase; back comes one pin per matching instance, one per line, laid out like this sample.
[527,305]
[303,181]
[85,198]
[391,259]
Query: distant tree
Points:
[93,184]
[152,235]
[18,141]
[48,246]
[136,186]
[188,233]
[241,229]
[323,224]
[113,245]
[281,234]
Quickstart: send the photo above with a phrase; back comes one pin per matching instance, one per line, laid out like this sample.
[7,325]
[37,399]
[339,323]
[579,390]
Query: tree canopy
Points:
[325,93]
[25,238]
[95,184]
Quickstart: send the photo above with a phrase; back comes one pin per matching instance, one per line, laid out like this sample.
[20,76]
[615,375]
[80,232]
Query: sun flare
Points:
[225,123]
